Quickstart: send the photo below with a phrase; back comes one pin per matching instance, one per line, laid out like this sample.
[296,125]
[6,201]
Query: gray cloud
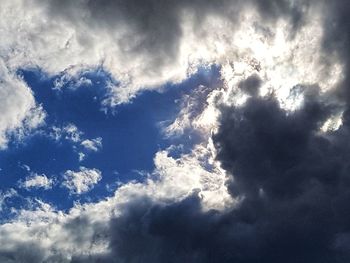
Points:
[337,39]
[293,179]
[153,28]
[294,183]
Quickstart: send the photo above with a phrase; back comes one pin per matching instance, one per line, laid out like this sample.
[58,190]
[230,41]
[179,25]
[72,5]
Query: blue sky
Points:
[131,135]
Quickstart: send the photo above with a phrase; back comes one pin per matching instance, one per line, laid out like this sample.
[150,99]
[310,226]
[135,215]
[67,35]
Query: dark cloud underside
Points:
[296,188]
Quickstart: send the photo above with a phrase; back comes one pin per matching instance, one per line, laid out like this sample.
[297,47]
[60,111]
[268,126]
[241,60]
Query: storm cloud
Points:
[293,184]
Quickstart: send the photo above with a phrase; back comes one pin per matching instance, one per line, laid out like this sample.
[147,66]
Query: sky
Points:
[174,131]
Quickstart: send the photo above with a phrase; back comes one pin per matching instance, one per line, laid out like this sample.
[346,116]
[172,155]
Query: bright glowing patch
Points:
[280,59]
[332,124]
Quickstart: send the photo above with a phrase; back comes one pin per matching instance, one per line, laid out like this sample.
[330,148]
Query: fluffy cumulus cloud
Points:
[81,181]
[37,181]
[267,178]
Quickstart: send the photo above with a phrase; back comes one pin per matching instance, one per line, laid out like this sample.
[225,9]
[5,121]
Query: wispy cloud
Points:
[93,144]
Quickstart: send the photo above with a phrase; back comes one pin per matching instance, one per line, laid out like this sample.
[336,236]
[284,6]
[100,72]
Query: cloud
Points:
[81,181]
[290,205]
[281,192]
[337,38]
[143,44]
[69,132]
[37,181]
[20,113]
[289,178]
[84,233]
[188,119]
[92,145]
[4,196]
[71,81]
[46,235]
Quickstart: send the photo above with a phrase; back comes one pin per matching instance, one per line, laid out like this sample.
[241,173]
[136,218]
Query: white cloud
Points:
[44,234]
[81,156]
[71,81]
[68,132]
[72,133]
[81,181]
[69,40]
[35,180]
[5,195]
[71,37]
[177,178]
[19,112]
[93,144]
[84,229]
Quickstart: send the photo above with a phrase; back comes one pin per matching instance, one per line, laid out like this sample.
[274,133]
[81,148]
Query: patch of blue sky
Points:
[130,134]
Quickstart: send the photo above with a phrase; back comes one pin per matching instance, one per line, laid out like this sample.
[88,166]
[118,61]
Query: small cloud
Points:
[81,181]
[92,145]
[25,167]
[6,195]
[37,181]
[72,133]
[81,156]
[71,80]
[69,132]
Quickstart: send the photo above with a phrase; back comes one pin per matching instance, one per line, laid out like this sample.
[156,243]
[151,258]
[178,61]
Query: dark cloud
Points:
[73,234]
[178,232]
[337,39]
[264,146]
[27,252]
[250,85]
[294,181]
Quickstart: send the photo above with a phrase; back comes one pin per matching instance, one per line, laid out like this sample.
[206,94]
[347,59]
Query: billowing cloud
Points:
[143,44]
[20,114]
[289,178]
